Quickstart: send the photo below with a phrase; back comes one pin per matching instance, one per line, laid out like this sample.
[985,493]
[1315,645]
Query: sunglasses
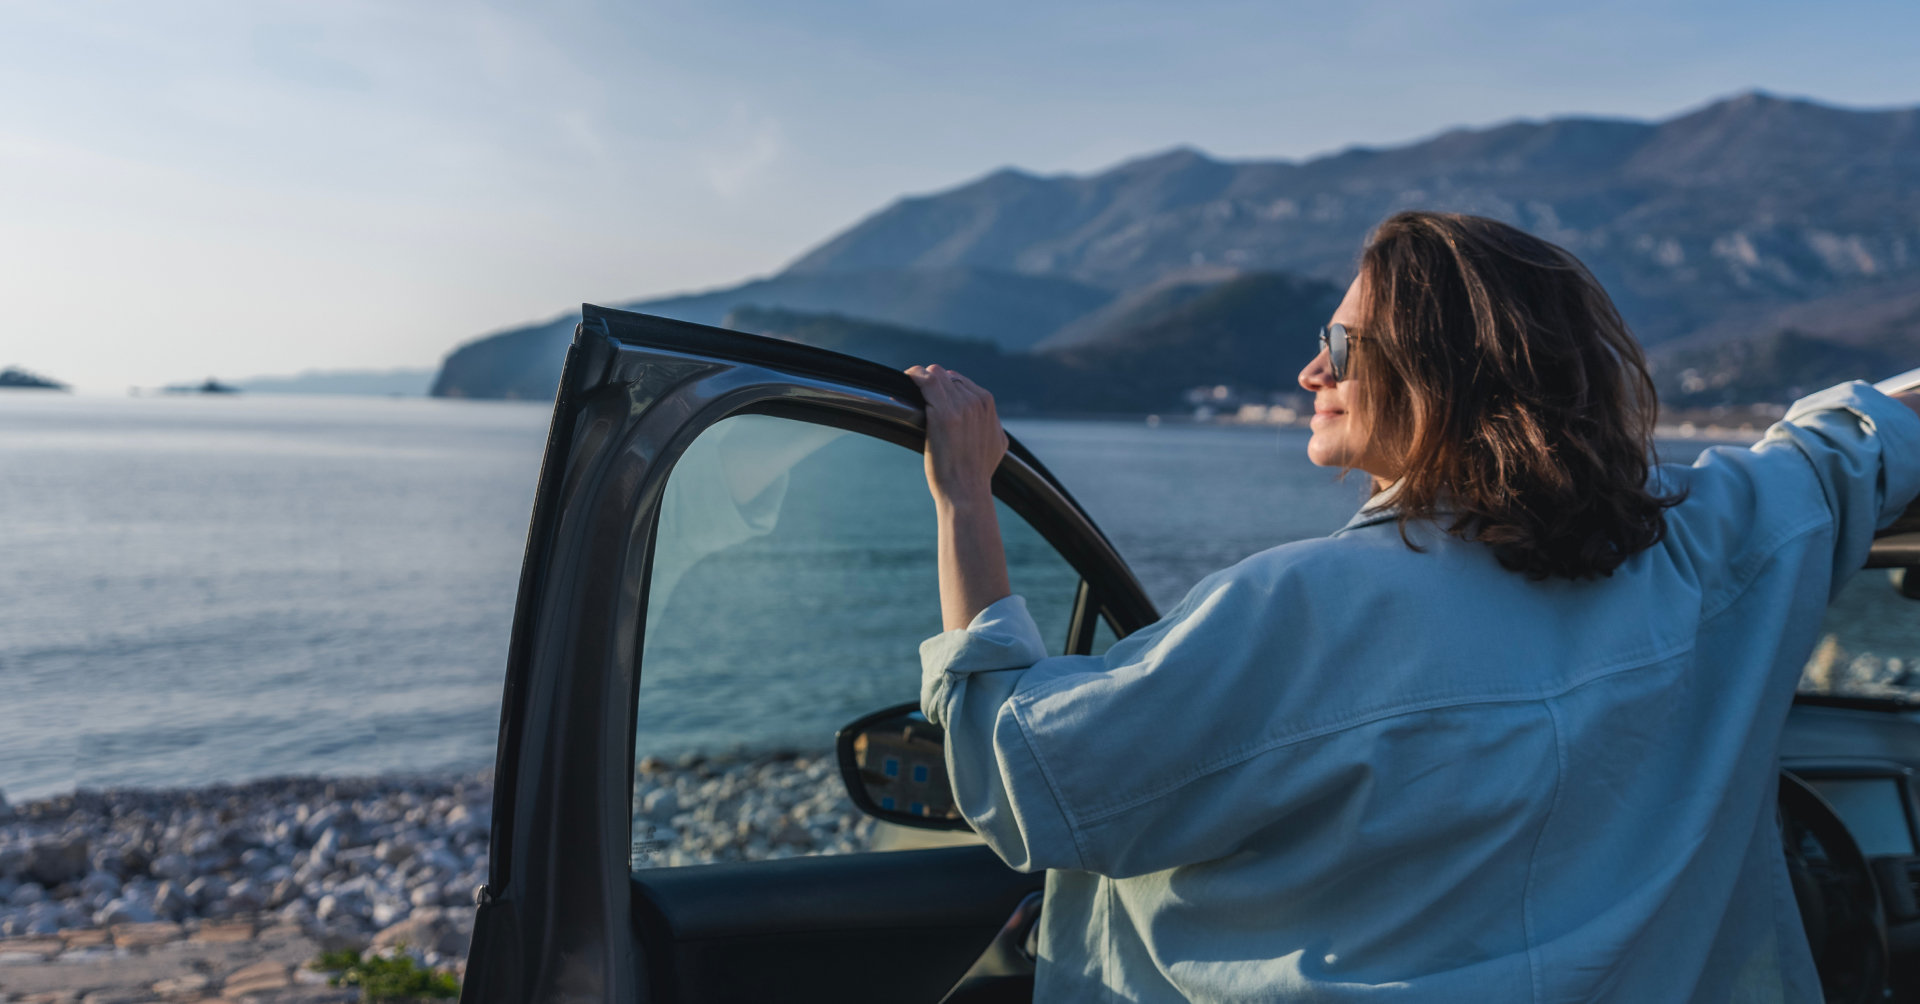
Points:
[1333,339]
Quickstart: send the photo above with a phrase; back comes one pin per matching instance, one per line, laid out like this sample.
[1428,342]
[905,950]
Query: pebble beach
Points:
[381,863]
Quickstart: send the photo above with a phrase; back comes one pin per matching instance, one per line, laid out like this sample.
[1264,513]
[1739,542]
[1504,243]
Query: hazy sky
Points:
[196,188]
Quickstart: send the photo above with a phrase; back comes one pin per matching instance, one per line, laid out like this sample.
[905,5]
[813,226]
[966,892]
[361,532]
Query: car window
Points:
[794,578]
[1870,642]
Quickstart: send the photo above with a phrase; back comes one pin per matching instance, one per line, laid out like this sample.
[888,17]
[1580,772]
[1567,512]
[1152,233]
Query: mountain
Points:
[1722,224]
[1754,200]
[1011,310]
[1783,353]
[519,364]
[1254,331]
[385,383]
[1021,383]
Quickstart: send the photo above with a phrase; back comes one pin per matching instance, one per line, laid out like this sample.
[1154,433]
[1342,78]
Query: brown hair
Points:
[1495,369]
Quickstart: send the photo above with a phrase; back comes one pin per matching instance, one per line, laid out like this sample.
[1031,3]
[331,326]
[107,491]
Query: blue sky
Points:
[265,187]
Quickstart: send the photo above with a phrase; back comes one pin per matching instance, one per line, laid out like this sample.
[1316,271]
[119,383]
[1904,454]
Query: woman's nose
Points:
[1318,375]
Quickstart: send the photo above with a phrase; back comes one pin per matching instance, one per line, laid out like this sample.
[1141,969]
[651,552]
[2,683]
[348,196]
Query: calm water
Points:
[195,590]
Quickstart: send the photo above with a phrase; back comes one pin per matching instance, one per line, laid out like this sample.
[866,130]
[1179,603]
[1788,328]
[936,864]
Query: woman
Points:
[1509,735]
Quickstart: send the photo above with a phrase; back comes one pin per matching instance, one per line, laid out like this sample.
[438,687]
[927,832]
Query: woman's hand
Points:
[964,439]
[964,446]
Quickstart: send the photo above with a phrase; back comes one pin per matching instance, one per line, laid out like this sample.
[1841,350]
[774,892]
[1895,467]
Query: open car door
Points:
[732,543]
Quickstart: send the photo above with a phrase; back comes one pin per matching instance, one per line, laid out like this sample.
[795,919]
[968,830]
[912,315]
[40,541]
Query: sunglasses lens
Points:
[1335,336]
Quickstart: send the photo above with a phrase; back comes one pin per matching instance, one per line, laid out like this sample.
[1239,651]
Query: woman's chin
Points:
[1322,453]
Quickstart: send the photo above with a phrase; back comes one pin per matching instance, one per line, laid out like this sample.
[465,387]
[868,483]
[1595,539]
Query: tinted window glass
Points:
[794,579]
[1870,643]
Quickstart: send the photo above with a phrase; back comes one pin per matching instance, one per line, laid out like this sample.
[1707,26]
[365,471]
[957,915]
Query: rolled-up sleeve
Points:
[968,677]
[1864,448]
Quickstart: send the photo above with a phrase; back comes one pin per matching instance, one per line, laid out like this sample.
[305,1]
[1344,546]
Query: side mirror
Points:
[894,763]
[1898,548]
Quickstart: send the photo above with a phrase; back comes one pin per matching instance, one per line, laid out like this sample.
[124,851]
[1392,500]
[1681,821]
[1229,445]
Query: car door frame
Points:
[555,918]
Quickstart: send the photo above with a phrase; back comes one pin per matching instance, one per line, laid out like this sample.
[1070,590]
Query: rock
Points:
[337,937]
[146,935]
[224,932]
[176,867]
[205,889]
[268,975]
[169,901]
[392,851]
[85,938]
[426,895]
[386,914]
[99,883]
[188,985]
[117,995]
[48,860]
[320,822]
[429,931]
[283,892]
[243,897]
[122,911]
[27,895]
[661,805]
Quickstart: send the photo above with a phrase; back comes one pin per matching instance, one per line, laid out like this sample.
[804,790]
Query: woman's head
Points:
[1489,376]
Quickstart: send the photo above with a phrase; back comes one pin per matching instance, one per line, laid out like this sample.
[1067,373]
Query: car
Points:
[713,502]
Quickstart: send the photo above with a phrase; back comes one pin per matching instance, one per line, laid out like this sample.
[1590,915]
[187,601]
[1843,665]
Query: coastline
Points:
[347,858]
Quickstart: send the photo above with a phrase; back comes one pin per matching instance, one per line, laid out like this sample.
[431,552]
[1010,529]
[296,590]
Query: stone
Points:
[52,860]
[177,867]
[187,985]
[205,889]
[85,937]
[338,937]
[429,932]
[117,995]
[27,895]
[392,851]
[224,932]
[123,911]
[267,975]
[146,935]
[388,913]
[97,883]
[169,901]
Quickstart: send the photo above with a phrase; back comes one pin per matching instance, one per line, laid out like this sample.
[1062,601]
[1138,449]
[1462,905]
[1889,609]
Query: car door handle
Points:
[1004,972]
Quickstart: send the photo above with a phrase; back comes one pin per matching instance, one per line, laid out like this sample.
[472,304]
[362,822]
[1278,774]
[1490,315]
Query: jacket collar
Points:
[1378,509]
[1381,509]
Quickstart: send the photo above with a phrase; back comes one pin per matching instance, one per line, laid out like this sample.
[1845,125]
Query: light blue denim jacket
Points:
[1345,770]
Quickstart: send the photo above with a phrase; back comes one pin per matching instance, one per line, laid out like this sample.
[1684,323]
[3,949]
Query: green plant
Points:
[385,978]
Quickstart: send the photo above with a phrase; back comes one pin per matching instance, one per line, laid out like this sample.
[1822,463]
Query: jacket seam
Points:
[1534,962]
[1053,786]
[1767,555]
[1231,760]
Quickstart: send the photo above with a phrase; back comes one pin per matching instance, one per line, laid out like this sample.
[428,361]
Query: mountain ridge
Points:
[1716,223]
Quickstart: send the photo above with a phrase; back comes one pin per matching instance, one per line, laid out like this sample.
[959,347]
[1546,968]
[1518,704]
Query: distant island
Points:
[1761,247]
[208,386]
[15,378]
[382,383]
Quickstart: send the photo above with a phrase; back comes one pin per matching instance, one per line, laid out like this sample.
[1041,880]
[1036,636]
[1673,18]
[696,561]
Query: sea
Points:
[211,589]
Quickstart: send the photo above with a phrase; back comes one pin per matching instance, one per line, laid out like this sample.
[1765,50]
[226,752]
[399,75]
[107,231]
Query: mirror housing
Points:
[1897,547]
[894,764]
